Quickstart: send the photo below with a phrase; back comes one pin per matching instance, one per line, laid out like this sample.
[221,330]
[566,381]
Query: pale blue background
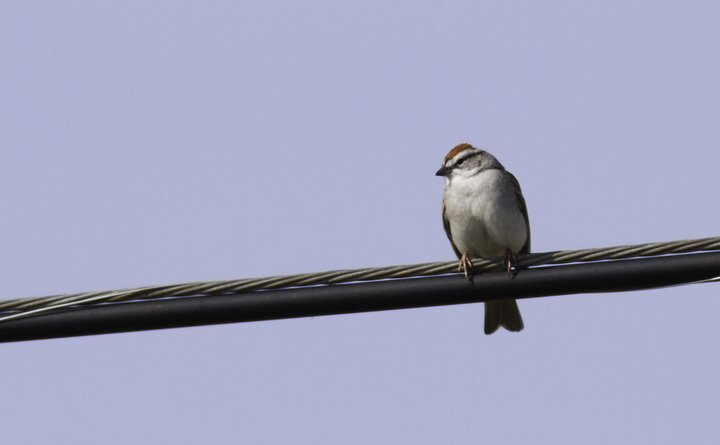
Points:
[163,142]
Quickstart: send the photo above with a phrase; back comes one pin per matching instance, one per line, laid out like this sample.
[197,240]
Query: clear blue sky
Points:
[163,142]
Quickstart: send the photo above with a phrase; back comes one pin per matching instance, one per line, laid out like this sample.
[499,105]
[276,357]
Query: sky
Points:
[147,143]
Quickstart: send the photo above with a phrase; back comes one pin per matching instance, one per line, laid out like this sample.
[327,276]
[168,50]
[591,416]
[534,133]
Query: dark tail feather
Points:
[503,313]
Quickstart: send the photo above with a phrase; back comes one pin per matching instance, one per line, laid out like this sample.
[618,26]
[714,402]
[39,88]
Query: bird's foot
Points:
[509,261]
[466,266]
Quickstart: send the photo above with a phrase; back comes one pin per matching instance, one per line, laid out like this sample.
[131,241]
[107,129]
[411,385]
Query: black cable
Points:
[607,276]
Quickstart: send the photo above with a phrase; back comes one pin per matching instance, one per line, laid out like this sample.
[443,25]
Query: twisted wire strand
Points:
[28,306]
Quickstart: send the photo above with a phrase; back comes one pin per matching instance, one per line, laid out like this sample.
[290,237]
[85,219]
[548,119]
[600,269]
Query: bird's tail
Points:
[503,313]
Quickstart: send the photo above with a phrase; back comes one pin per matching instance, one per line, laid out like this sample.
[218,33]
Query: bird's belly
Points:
[471,235]
[485,229]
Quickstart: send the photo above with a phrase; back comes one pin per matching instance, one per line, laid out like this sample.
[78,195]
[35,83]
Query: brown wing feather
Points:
[446,224]
[523,208]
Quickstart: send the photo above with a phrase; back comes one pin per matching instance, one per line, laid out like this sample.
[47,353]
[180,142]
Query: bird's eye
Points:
[460,162]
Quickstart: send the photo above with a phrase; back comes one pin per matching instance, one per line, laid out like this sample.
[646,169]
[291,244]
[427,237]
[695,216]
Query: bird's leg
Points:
[509,260]
[465,266]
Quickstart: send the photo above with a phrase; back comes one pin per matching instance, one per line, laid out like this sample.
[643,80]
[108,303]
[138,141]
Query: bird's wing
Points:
[446,224]
[523,209]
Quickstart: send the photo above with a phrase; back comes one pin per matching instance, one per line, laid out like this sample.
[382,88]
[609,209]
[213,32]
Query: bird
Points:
[485,215]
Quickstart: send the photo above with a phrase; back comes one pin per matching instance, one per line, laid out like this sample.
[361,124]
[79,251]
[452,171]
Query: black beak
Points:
[444,171]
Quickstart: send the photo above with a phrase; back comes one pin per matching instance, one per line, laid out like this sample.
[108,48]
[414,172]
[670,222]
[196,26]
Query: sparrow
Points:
[485,215]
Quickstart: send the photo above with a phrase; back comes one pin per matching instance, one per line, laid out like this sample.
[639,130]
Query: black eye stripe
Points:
[460,162]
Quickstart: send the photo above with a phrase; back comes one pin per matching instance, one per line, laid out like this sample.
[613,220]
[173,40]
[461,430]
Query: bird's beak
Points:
[444,171]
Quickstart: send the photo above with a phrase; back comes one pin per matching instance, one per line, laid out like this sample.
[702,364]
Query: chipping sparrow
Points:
[484,215]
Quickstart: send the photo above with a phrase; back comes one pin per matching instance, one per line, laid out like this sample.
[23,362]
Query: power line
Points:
[25,305]
[195,304]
